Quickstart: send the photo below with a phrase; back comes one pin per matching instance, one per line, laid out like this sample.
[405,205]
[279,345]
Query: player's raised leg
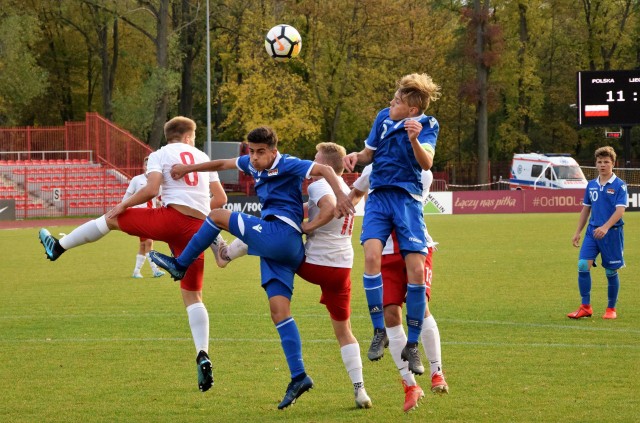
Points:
[90,231]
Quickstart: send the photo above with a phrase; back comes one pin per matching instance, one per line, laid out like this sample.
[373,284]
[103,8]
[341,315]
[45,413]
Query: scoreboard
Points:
[609,98]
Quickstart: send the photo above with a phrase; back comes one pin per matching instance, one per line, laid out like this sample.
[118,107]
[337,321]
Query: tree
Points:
[162,75]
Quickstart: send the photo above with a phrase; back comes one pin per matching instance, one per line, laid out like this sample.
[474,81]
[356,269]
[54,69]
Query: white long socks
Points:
[237,248]
[397,341]
[139,262]
[154,268]
[199,323]
[430,337]
[91,231]
[352,362]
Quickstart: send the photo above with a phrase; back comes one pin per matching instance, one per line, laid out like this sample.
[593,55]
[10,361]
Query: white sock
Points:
[199,323]
[91,231]
[139,262]
[430,337]
[397,342]
[237,248]
[352,362]
[154,268]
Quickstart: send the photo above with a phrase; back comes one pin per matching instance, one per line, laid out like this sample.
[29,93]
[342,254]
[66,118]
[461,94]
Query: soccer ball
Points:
[283,42]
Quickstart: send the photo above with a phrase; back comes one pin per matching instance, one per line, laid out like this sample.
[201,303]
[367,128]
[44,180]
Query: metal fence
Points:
[81,168]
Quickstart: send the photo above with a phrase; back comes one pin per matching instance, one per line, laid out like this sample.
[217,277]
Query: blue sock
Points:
[584,284]
[199,242]
[373,291]
[612,289]
[416,306]
[291,345]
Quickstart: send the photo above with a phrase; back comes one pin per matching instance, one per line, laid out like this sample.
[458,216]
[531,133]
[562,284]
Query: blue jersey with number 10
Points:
[603,199]
[394,164]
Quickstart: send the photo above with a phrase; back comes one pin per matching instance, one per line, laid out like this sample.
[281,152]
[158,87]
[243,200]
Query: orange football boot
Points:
[438,384]
[585,310]
[412,394]
[610,313]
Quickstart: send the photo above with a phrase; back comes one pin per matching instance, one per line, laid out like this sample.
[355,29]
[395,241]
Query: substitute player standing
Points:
[605,199]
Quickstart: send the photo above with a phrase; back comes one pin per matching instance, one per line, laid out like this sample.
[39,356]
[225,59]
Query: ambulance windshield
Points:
[569,172]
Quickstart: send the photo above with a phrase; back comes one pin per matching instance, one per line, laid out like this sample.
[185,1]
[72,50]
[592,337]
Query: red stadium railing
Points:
[81,168]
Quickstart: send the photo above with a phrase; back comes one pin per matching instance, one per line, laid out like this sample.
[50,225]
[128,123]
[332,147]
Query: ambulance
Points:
[545,171]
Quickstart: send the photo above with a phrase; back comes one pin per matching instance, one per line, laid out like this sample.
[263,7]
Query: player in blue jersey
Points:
[605,199]
[400,145]
[276,236]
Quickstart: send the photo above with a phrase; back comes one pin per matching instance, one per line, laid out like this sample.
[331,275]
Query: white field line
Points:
[274,339]
[309,341]
[577,325]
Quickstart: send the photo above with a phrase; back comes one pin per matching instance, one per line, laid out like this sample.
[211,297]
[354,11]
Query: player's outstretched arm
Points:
[179,170]
[146,193]
[363,157]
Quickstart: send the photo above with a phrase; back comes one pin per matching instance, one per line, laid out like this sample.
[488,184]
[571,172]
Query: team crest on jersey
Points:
[272,172]
[432,122]
[611,191]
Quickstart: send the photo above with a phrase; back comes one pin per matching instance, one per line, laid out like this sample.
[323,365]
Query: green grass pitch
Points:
[80,340]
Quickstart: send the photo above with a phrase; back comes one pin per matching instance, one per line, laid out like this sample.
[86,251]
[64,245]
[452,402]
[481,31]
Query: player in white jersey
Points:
[394,275]
[135,185]
[186,203]
[328,262]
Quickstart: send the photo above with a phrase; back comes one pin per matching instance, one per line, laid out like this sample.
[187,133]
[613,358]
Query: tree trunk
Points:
[162,54]
[482,73]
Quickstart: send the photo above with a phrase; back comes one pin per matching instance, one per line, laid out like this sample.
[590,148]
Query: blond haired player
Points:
[186,203]
[400,146]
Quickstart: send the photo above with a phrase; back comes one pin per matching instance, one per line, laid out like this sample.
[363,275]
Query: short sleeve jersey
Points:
[362,184]
[193,189]
[279,188]
[135,185]
[603,199]
[329,245]
[394,164]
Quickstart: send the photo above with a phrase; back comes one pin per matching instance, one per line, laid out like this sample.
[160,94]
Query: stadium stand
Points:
[80,169]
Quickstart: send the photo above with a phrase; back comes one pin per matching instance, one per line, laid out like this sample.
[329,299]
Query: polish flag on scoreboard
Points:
[596,110]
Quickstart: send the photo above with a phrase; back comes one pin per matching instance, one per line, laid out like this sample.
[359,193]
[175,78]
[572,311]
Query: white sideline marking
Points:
[299,316]
[308,341]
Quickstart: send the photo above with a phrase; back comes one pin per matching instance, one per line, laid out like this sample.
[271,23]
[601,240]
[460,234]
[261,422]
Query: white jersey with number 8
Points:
[193,189]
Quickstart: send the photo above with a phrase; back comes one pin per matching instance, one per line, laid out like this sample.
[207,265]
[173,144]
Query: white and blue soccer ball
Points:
[283,42]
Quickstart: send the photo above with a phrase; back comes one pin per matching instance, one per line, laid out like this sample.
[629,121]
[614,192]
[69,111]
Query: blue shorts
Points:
[610,247]
[388,209]
[278,245]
